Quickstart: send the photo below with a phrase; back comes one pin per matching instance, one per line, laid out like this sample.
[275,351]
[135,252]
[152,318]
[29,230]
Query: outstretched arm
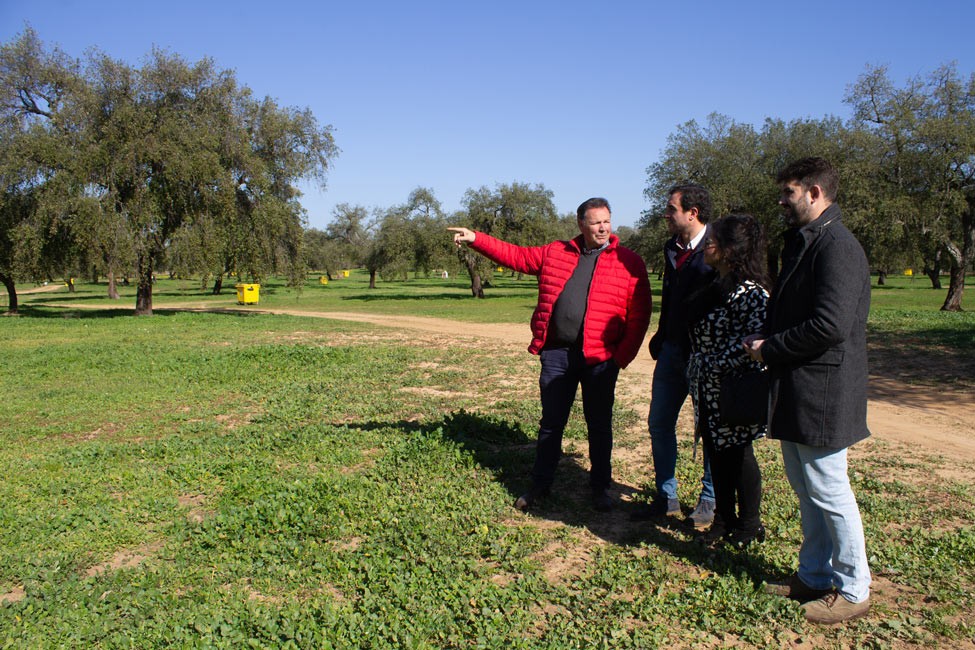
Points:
[463,236]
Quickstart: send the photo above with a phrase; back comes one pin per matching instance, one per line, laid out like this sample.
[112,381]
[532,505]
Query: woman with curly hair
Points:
[720,316]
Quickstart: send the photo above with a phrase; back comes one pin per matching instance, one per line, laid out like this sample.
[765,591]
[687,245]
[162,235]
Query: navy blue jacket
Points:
[694,274]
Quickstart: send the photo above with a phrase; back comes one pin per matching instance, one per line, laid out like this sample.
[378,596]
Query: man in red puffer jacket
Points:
[592,314]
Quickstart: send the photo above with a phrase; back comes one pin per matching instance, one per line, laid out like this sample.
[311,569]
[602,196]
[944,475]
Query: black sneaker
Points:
[740,538]
[703,515]
[602,501]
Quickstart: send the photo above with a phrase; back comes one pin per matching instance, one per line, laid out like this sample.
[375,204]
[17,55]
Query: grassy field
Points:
[236,479]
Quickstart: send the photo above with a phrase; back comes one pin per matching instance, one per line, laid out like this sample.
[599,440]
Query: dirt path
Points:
[936,421]
[922,420]
[41,289]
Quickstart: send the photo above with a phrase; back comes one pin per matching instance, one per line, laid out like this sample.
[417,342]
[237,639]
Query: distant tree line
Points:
[119,171]
[906,160]
[409,238]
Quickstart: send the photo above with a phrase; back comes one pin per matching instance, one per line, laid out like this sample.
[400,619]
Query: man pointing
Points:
[592,314]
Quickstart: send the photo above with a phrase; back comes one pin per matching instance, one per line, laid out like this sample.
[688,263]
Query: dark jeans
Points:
[737,478]
[668,393]
[563,370]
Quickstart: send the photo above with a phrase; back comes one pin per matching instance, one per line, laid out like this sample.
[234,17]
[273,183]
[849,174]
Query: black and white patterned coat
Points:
[716,344]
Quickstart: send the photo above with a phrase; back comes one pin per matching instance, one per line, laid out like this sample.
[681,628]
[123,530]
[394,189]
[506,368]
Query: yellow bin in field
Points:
[248,294]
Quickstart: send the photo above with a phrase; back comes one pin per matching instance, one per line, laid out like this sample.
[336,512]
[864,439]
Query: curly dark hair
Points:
[741,239]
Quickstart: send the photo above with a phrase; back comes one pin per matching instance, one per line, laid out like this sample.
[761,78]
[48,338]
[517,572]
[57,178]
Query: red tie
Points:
[682,256]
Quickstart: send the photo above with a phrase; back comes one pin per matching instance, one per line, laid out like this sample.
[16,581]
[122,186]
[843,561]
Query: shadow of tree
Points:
[504,448]
[427,297]
[51,312]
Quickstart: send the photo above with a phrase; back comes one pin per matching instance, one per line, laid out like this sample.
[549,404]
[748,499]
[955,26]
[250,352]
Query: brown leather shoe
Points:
[833,608]
[795,589]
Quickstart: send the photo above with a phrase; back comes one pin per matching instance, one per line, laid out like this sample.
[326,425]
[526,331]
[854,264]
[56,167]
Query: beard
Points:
[795,216]
[789,217]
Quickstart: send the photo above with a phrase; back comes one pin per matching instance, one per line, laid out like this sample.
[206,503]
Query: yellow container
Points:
[323,279]
[908,271]
[248,294]
[345,274]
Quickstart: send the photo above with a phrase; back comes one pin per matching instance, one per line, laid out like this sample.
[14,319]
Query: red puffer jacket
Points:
[618,312]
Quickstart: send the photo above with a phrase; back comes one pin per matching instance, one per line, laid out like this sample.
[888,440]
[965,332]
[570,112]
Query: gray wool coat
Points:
[815,337]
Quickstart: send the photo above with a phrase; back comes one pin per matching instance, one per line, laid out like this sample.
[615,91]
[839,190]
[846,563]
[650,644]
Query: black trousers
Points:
[563,371]
[737,482]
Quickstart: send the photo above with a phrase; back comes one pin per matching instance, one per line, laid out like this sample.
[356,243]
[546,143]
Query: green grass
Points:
[234,480]
[911,299]
[911,340]
[509,300]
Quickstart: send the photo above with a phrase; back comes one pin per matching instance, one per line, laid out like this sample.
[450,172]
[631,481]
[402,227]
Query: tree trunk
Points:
[70,283]
[956,287]
[218,285]
[94,275]
[11,287]
[477,286]
[960,258]
[143,292]
[881,278]
[934,271]
[372,278]
[112,286]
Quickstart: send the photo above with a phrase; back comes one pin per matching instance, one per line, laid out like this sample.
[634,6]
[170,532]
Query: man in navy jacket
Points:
[687,214]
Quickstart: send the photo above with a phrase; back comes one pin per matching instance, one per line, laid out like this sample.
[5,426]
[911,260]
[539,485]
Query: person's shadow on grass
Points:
[508,451]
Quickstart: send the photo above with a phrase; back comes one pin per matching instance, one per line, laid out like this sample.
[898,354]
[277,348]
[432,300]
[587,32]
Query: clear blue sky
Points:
[578,96]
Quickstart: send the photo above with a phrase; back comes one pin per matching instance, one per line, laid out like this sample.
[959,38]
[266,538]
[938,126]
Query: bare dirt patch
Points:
[14,595]
[430,391]
[125,558]
[196,513]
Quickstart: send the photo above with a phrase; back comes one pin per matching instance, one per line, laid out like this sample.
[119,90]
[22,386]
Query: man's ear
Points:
[815,193]
[694,212]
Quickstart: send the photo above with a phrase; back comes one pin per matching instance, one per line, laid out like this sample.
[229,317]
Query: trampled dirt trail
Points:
[922,420]
[935,421]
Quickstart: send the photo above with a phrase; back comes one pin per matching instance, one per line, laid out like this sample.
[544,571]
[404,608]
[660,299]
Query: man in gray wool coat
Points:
[814,344]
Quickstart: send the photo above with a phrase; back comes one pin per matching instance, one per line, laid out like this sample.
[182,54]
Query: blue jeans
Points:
[668,393]
[563,370]
[833,551]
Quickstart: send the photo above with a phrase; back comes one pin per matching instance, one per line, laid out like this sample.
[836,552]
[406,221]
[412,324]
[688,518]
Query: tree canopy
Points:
[906,162]
[517,212]
[119,167]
